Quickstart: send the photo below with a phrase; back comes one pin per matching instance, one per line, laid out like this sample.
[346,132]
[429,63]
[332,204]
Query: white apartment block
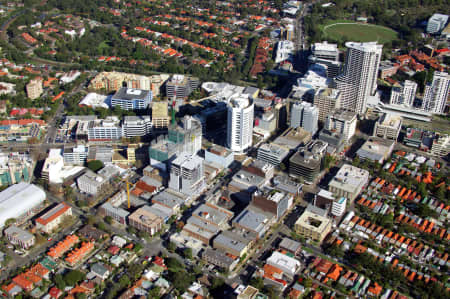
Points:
[102,130]
[305,115]
[75,155]
[405,94]
[388,126]
[240,122]
[436,23]
[359,79]
[436,93]
[441,146]
[285,49]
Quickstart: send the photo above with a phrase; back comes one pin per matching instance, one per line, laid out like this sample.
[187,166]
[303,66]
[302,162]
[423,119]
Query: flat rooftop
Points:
[131,94]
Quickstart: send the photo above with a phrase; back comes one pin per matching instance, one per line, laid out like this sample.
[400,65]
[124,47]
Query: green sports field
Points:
[359,32]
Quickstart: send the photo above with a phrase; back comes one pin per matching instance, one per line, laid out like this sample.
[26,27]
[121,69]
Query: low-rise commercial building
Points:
[219,155]
[254,221]
[136,126]
[75,155]
[441,146]
[232,243]
[117,213]
[290,246]
[18,236]
[376,149]
[144,220]
[343,122]
[285,263]
[306,163]
[272,153]
[132,98]
[388,126]
[50,220]
[219,259]
[349,181]
[313,224]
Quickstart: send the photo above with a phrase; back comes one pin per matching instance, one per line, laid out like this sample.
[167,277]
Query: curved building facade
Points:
[240,122]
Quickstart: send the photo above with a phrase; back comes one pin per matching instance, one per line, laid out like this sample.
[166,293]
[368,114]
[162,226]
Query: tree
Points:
[109,220]
[174,265]
[440,193]
[188,253]
[95,165]
[422,189]
[124,281]
[171,247]
[257,282]
[73,277]
[356,161]
[59,281]
[10,221]
[181,280]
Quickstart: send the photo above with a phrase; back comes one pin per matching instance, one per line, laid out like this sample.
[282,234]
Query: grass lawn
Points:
[359,32]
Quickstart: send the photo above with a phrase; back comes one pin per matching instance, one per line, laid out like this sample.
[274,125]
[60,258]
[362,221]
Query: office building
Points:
[343,122]
[293,138]
[359,79]
[254,221]
[436,93]
[288,265]
[376,149]
[75,155]
[325,51]
[144,219]
[93,183]
[272,153]
[327,100]
[117,213]
[265,124]
[324,199]
[134,126]
[131,99]
[441,146]
[284,51]
[436,23]
[219,155]
[34,88]
[276,203]
[388,126]
[160,115]
[307,161]
[281,117]
[306,116]
[314,224]
[239,123]
[219,259]
[56,173]
[180,86]
[18,236]
[404,94]
[290,246]
[105,129]
[187,174]
[308,85]
[349,182]
[335,141]
[50,220]
[112,81]
[338,207]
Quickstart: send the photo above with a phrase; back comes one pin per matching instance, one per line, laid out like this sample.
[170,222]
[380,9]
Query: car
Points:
[50,239]
[146,257]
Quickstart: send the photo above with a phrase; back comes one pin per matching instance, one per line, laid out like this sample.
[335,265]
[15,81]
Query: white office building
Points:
[342,122]
[134,126]
[436,23]
[436,93]
[106,129]
[327,100]
[359,79]
[325,51]
[240,122]
[285,49]
[404,94]
[305,115]
[187,174]
[338,207]
[75,155]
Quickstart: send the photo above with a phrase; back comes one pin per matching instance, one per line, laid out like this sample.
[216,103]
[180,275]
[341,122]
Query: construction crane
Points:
[128,191]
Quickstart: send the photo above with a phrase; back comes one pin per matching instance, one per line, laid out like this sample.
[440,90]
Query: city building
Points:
[276,203]
[7,88]
[160,115]
[441,146]
[288,265]
[104,129]
[75,155]
[290,246]
[232,243]
[113,81]
[338,207]
[285,184]
[349,182]
[388,69]
[239,123]
[388,126]
[326,54]
[20,200]
[180,86]
[436,93]
[359,79]
[136,126]
[132,99]
[327,100]
[187,174]
[436,23]
[314,224]
[253,220]
[94,183]
[404,94]
[34,88]
[219,155]
[307,161]
[376,149]
[272,153]
[343,122]
[265,124]
[305,115]
[324,199]
[144,220]
[95,100]
[219,259]
[293,138]
[114,211]
[308,85]
[56,173]
[284,50]
[335,141]
[51,219]
[18,236]
[15,167]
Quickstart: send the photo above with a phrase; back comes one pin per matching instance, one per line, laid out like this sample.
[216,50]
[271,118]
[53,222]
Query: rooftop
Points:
[315,222]
[19,233]
[350,177]
[131,94]
[390,120]
[54,213]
